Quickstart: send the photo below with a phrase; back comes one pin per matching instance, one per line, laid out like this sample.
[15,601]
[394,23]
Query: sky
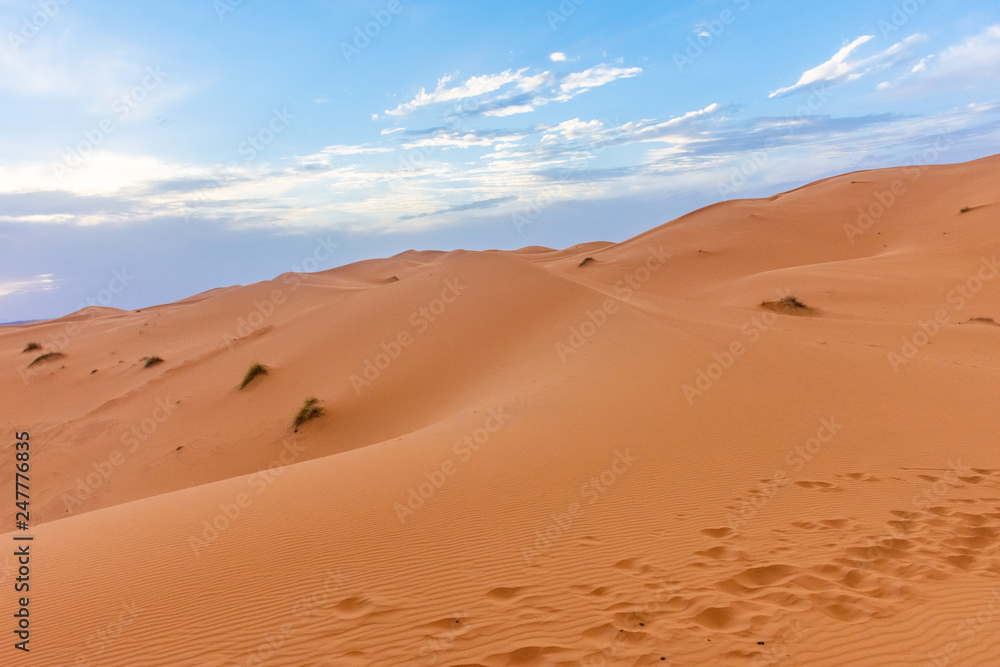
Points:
[151,151]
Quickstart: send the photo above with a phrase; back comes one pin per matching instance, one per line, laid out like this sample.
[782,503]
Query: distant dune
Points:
[615,454]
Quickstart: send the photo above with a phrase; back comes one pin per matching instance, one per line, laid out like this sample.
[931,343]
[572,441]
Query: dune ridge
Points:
[611,454]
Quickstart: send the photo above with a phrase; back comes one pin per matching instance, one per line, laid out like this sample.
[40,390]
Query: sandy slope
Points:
[532,458]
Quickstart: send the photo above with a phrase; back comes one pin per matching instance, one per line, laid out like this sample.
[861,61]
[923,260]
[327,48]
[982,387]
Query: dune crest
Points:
[762,433]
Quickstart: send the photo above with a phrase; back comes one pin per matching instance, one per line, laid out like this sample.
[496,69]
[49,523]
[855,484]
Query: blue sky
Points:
[162,149]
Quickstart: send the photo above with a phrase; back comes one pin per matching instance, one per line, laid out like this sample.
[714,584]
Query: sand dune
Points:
[611,454]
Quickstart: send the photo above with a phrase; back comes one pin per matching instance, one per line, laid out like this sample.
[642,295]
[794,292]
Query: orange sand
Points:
[550,464]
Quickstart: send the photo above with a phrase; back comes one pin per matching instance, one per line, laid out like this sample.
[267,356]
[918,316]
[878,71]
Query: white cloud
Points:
[458,140]
[964,65]
[325,155]
[841,67]
[40,283]
[982,50]
[662,131]
[596,76]
[557,57]
[473,87]
[509,111]
[561,89]
[572,129]
[835,68]
[532,83]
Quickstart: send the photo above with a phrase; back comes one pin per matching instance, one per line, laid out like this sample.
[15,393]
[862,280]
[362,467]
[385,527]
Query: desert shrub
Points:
[309,410]
[254,370]
[46,357]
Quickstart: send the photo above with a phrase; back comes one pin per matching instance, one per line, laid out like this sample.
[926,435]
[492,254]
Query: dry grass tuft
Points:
[254,370]
[309,410]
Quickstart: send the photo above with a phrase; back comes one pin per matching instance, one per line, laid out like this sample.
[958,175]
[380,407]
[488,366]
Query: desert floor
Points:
[614,454]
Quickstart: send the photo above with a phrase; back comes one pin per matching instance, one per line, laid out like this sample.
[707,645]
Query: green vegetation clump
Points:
[46,357]
[151,361]
[309,410]
[254,370]
[966,209]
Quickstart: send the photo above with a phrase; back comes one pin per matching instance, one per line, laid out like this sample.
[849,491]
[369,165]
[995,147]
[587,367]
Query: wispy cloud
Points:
[473,87]
[42,283]
[516,91]
[594,77]
[476,205]
[962,66]
[326,155]
[579,159]
[439,137]
[571,129]
[841,67]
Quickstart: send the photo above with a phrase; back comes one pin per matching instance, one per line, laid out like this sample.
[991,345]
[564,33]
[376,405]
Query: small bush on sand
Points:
[46,357]
[254,370]
[309,410]
[790,305]
[151,361]
[966,209]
